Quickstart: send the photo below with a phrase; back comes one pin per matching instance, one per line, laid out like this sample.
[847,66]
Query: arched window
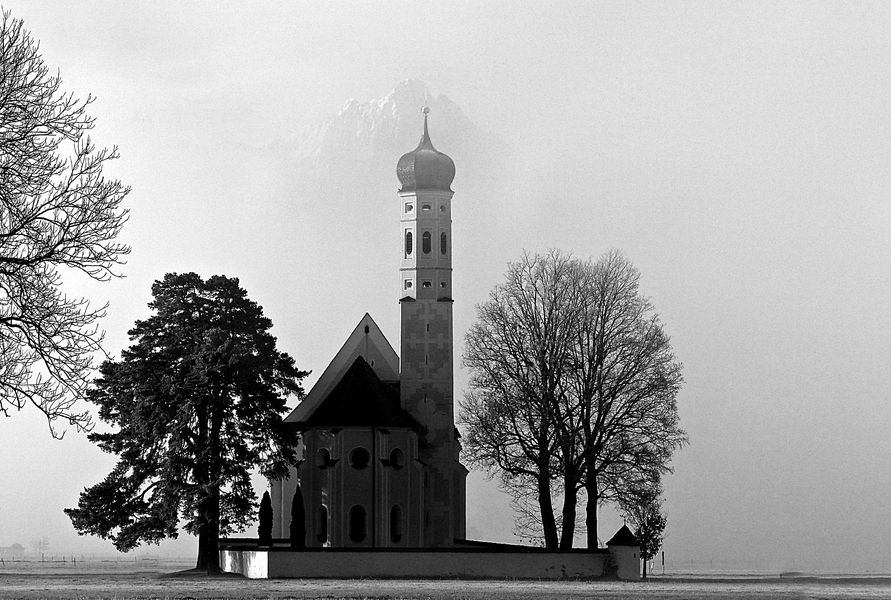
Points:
[408,243]
[442,243]
[425,242]
[395,524]
[358,529]
[323,458]
[359,458]
[322,524]
[396,460]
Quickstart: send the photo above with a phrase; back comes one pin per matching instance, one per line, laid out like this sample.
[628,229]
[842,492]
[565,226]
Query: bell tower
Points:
[426,377]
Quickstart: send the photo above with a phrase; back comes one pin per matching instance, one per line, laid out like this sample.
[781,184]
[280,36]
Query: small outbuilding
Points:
[625,548]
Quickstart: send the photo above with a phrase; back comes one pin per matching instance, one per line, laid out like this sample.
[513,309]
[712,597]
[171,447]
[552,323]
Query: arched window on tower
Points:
[425,242]
[408,243]
[442,243]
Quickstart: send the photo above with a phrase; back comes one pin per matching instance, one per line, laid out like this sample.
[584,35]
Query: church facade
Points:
[380,452]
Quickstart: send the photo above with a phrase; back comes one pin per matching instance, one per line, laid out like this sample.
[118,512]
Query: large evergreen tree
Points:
[194,404]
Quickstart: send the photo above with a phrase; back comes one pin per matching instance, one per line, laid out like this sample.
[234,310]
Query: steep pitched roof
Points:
[361,399]
[367,341]
[623,537]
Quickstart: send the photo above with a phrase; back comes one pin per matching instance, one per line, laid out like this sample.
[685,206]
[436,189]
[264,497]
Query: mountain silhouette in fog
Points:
[355,151]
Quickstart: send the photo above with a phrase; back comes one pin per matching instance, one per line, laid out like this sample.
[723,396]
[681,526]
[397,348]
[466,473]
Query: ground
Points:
[141,580]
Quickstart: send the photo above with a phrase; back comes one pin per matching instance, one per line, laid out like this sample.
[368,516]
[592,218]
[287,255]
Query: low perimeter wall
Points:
[463,563]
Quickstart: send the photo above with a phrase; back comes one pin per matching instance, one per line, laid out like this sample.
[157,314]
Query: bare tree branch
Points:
[57,213]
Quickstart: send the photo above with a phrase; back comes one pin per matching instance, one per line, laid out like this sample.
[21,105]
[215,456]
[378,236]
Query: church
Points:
[380,452]
[379,489]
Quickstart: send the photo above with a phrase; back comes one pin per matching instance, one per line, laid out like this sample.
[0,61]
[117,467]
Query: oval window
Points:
[396,460]
[425,242]
[442,243]
[395,524]
[359,458]
[358,529]
[408,243]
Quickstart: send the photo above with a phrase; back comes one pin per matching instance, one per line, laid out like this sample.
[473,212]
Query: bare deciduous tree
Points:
[518,351]
[57,213]
[572,391]
[624,384]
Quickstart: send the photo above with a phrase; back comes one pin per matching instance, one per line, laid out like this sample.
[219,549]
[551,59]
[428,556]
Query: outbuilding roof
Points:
[623,537]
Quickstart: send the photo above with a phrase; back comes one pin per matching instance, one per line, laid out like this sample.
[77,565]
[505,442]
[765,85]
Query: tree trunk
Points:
[209,534]
[644,567]
[545,504]
[208,477]
[591,507]
[570,504]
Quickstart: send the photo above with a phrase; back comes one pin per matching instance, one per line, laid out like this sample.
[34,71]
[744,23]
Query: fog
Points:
[738,153]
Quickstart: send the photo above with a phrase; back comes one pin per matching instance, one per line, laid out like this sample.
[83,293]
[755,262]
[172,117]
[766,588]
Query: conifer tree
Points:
[193,405]
[298,520]
[264,531]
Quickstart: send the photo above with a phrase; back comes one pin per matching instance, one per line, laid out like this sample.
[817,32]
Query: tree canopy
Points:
[58,213]
[573,388]
[194,404]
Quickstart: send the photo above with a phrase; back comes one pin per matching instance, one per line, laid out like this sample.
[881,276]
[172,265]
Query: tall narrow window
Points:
[442,242]
[395,524]
[408,243]
[323,459]
[322,524]
[425,242]
[358,528]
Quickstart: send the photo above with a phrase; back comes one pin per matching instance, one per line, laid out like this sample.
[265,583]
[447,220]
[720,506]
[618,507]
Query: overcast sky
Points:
[739,153]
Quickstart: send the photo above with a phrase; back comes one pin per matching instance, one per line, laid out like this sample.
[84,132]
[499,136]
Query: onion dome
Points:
[425,167]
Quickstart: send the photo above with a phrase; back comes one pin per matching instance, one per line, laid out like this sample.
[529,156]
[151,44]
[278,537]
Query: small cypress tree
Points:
[298,521]
[264,531]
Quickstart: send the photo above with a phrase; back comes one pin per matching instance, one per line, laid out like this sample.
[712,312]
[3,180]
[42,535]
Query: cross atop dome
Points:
[425,167]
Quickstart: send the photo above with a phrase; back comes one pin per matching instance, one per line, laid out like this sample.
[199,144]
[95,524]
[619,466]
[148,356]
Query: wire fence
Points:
[86,563]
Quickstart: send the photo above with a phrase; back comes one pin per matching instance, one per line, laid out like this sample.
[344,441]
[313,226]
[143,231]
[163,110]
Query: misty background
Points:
[738,153]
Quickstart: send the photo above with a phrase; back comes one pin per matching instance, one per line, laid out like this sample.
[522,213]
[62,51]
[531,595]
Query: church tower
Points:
[426,378]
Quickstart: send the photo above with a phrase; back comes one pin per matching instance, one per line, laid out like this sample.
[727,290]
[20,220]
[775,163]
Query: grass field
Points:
[122,581]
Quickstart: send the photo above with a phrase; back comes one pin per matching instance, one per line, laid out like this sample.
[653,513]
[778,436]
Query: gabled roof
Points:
[367,341]
[361,399]
[623,537]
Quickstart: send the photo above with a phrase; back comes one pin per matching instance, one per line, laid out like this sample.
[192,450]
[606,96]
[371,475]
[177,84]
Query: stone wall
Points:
[463,563]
